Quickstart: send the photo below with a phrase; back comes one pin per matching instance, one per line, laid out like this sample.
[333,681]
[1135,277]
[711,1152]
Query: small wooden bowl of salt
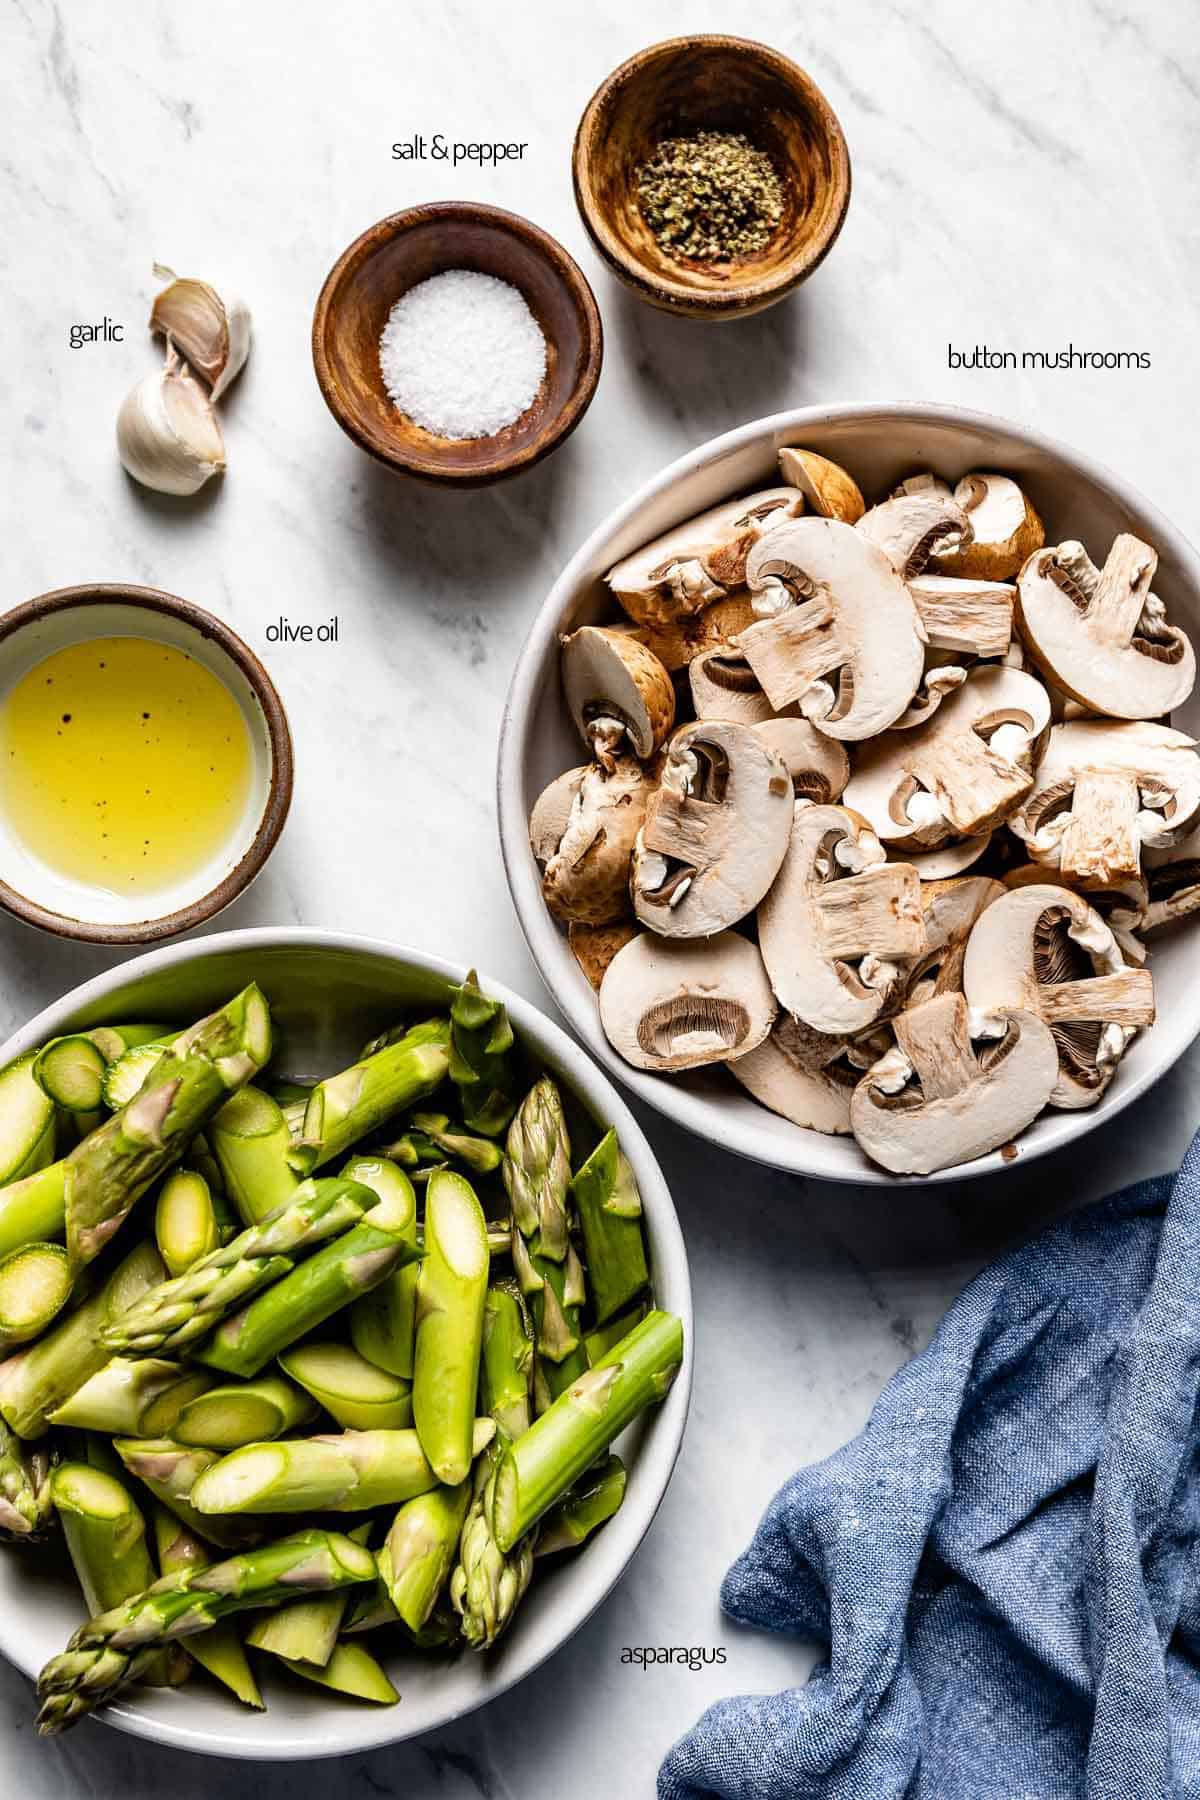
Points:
[456,342]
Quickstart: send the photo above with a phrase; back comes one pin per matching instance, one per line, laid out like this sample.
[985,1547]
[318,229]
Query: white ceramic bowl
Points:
[1076,497]
[328,993]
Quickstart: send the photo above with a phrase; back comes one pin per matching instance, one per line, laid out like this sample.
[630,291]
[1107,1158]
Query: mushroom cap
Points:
[724,686]
[783,1075]
[968,787]
[1159,760]
[1005,529]
[946,860]
[608,674]
[1087,652]
[702,560]
[856,614]
[818,944]
[715,832]
[830,492]
[1009,1088]
[586,880]
[668,1004]
[818,765]
[594,946]
[677,642]
[551,810]
[914,523]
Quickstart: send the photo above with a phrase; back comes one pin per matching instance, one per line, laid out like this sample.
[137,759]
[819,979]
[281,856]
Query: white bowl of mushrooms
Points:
[847,796]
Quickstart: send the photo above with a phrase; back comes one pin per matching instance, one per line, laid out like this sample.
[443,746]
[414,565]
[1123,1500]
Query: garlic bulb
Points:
[168,437]
[211,330]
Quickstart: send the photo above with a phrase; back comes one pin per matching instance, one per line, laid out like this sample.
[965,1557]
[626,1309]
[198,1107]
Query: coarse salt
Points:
[462,354]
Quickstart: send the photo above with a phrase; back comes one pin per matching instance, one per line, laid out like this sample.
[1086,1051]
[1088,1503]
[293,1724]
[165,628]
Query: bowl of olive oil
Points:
[145,764]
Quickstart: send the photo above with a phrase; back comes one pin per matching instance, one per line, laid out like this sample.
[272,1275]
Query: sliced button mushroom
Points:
[949,909]
[944,671]
[972,617]
[1101,634]
[594,946]
[669,1004]
[586,879]
[618,693]
[923,517]
[551,810]
[801,1075]
[1122,905]
[715,832]
[1005,530]
[678,642]
[702,560]
[1172,883]
[818,765]
[1045,949]
[946,860]
[840,926]
[830,492]
[1103,791]
[831,605]
[724,686]
[961,774]
[953,1104]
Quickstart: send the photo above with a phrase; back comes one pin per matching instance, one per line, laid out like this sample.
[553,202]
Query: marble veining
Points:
[1022,177]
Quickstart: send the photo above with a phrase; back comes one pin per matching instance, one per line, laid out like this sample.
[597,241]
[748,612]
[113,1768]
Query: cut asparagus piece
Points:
[33,1208]
[396,1208]
[26,1128]
[481,1058]
[251,1140]
[352,1390]
[112,1041]
[610,1213]
[370,1610]
[247,1412]
[593,1500]
[442,1631]
[219,1649]
[118,1397]
[112,1650]
[35,1285]
[170,1471]
[418,1553]
[598,1343]
[303,1300]
[537,1170]
[179,1312]
[358,1100]
[162,1413]
[350,1670]
[185,1221]
[450,1298]
[126,1075]
[25,1502]
[38,1380]
[351,1473]
[107,1172]
[536,1470]
[383,1322]
[70,1072]
[488,1583]
[479,1154]
[304,1631]
[506,1370]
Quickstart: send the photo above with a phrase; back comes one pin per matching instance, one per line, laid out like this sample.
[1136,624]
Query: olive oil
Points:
[124,764]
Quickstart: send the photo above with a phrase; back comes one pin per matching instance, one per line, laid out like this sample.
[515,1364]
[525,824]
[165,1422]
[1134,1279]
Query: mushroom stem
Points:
[1120,593]
[877,912]
[937,1042]
[1125,999]
[1101,841]
[795,649]
[974,787]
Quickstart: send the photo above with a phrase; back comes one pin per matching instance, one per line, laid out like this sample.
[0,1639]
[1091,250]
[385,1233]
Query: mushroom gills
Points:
[668,1004]
[703,560]
[618,693]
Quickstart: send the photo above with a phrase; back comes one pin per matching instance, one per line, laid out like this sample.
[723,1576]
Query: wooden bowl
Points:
[711,83]
[393,256]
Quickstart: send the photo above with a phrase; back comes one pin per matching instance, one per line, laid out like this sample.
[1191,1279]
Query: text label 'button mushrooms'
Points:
[838,630]
[679,1003]
[716,831]
[1046,950]
[700,561]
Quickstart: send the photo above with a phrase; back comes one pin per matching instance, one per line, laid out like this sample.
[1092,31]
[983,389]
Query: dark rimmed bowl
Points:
[393,256]
[71,615]
[711,83]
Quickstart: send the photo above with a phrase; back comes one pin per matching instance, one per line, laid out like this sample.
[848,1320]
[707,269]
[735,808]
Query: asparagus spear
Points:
[185,1221]
[488,1583]
[536,1469]
[112,1041]
[481,1061]
[610,1213]
[178,1313]
[352,1390]
[507,1367]
[70,1072]
[26,1124]
[594,1499]
[251,1140]
[37,1380]
[450,1298]
[219,1649]
[35,1285]
[346,1107]
[303,1300]
[126,1075]
[162,1411]
[383,1322]
[351,1473]
[33,1207]
[479,1154]
[598,1343]
[170,1471]
[418,1553]
[118,1397]
[305,1631]
[112,1650]
[537,1170]
[350,1670]
[25,1503]
[246,1412]
[107,1172]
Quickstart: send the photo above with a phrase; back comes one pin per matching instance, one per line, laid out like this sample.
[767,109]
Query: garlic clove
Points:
[211,330]
[168,437]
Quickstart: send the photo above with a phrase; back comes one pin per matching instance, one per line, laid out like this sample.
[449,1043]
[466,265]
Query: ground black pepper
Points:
[710,197]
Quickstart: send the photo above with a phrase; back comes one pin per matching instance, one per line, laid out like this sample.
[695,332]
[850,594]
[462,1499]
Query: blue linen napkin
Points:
[1005,1566]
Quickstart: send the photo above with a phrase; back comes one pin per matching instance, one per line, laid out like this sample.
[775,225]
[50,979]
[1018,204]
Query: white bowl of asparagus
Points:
[347,1328]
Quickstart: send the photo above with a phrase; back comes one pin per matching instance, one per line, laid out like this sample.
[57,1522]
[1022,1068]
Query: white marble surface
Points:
[1023,177]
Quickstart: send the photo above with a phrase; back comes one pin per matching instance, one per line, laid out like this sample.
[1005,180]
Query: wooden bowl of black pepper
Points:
[712,175]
